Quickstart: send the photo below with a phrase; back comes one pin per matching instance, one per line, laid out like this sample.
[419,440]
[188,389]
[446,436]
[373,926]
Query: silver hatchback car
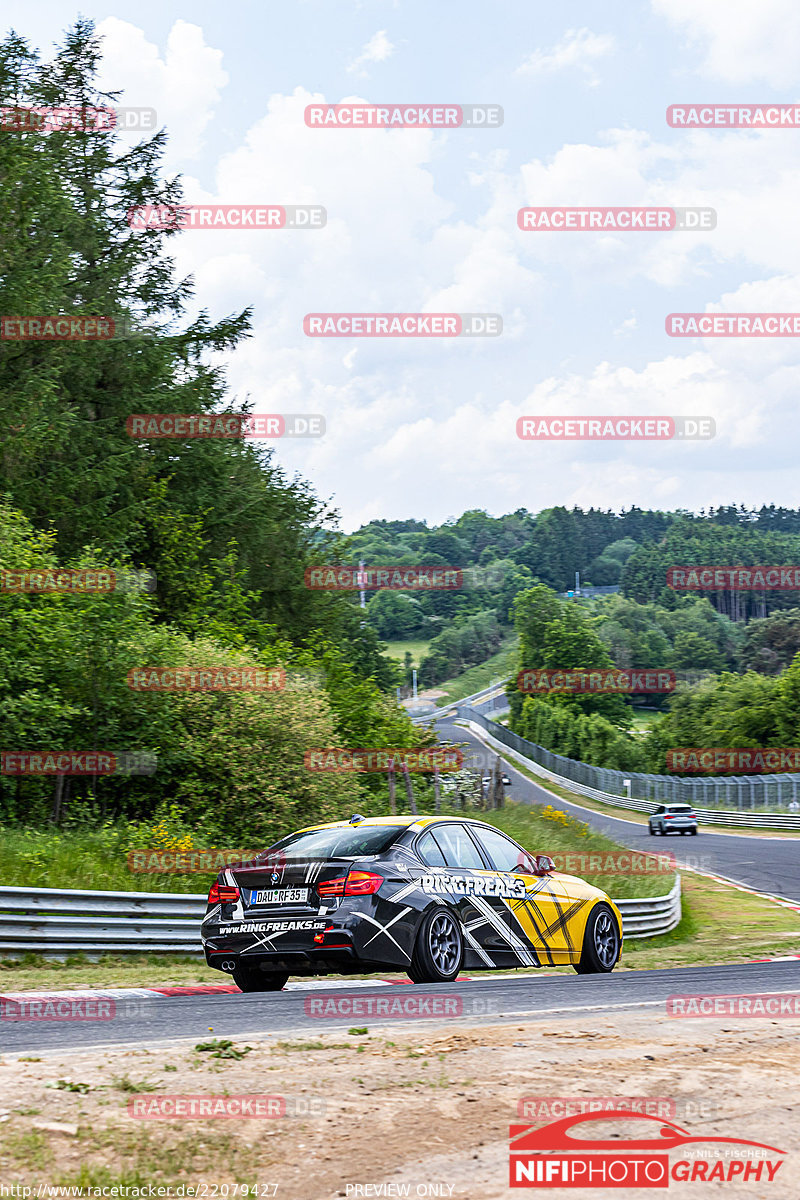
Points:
[673,818]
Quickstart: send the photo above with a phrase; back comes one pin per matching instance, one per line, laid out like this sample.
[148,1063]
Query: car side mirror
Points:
[544,864]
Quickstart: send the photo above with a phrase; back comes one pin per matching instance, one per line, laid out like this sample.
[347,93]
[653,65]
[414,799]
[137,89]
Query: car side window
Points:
[503,853]
[458,847]
[660,809]
[430,851]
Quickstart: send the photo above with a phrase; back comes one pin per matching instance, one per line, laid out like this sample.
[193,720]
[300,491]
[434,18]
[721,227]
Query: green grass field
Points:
[478,677]
[643,720]
[417,649]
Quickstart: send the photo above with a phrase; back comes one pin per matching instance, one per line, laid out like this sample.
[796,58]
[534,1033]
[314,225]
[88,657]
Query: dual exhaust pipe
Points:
[228,964]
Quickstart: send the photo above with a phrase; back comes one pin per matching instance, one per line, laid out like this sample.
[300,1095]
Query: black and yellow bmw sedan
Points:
[430,895]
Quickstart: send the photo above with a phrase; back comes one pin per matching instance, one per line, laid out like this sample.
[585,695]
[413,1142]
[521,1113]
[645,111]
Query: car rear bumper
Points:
[307,951]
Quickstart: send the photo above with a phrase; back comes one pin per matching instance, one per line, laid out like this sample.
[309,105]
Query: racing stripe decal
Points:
[524,953]
[384,928]
[475,944]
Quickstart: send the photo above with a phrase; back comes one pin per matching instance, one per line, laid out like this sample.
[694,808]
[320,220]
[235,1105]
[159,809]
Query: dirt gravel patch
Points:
[426,1110]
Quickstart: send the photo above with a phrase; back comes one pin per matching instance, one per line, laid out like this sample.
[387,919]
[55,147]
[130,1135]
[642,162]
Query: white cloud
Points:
[579,49]
[376,50]
[426,427]
[183,85]
[743,41]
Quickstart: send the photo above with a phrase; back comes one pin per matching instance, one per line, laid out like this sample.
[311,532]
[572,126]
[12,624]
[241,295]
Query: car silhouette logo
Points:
[557,1136]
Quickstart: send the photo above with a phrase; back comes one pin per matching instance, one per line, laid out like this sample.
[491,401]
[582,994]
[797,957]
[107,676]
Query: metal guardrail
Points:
[531,754]
[748,792]
[652,914]
[55,923]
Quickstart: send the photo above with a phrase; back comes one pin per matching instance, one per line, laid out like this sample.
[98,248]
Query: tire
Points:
[251,979]
[438,950]
[651,831]
[693,832]
[601,942]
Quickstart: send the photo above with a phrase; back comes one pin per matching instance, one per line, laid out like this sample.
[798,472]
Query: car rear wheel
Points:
[651,831]
[251,979]
[693,832]
[438,950]
[600,942]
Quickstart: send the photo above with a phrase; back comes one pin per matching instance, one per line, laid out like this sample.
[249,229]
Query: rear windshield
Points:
[338,843]
[679,808]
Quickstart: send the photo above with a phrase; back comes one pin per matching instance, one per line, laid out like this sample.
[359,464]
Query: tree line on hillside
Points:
[749,697]
[632,549]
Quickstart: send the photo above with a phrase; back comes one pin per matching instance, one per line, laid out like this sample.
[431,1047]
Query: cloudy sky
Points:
[425,221]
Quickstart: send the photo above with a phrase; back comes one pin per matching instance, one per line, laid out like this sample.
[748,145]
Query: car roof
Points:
[409,822]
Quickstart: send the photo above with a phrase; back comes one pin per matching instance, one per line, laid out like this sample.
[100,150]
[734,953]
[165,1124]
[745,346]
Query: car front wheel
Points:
[438,950]
[600,942]
[250,979]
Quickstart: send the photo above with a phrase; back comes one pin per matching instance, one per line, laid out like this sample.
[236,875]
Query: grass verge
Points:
[417,648]
[476,678]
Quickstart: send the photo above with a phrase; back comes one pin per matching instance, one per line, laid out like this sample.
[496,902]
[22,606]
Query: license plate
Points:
[279,896]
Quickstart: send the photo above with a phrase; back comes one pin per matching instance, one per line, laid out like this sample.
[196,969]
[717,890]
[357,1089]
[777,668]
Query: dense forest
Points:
[226,533]
[738,684]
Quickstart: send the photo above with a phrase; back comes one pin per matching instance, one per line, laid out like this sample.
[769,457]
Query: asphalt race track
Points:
[283,1015]
[768,864]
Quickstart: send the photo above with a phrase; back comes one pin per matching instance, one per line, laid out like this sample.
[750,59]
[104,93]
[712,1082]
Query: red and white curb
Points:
[226,989]
[200,989]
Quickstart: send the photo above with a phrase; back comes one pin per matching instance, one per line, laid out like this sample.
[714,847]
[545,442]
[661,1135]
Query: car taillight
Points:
[223,893]
[357,883]
[668,816]
[334,887]
[362,883]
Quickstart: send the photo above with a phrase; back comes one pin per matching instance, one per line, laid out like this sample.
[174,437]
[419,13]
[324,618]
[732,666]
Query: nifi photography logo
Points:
[553,1156]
